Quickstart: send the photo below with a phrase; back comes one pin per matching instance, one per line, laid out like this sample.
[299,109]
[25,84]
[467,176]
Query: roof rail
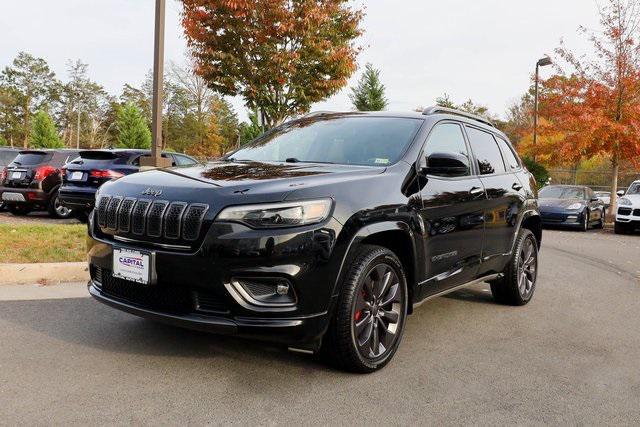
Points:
[436,109]
[316,113]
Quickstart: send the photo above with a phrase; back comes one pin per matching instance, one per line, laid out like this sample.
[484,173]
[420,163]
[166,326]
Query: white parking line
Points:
[40,292]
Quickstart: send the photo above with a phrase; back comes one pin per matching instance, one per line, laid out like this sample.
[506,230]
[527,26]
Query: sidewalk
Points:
[40,292]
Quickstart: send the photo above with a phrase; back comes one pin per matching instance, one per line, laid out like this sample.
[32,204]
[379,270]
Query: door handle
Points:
[475,191]
[516,186]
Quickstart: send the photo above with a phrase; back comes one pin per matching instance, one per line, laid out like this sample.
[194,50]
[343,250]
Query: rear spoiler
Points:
[98,154]
[32,152]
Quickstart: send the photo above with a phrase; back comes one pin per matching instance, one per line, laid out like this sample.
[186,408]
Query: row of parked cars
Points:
[578,206]
[64,182]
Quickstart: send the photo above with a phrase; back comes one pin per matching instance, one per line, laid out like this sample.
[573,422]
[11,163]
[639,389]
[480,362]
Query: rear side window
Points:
[183,160]
[32,158]
[486,151]
[509,157]
[6,157]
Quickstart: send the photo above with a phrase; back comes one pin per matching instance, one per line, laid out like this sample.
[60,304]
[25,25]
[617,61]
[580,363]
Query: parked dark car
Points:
[574,206]
[85,174]
[324,233]
[32,180]
[6,156]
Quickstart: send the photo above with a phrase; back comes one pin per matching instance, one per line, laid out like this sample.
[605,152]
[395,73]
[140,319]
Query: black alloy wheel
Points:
[518,282]
[377,312]
[369,318]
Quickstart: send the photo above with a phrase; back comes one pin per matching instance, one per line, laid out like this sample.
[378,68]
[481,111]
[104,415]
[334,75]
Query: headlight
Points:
[277,215]
[574,206]
[623,201]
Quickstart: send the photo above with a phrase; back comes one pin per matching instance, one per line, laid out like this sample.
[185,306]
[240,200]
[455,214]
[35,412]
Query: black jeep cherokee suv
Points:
[324,233]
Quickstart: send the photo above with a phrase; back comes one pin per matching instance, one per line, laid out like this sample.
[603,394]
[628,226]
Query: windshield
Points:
[373,141]
[561,193]
[634,188]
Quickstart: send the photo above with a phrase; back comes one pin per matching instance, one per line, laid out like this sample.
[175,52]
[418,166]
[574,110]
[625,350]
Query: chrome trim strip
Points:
[246,301]
[161,245]
[455,288]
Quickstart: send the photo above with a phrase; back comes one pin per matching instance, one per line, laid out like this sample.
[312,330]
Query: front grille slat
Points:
[155,218]
[102,211]
[151,219]
[124,217]
[193,221]
[173,220]
[112,213]
[139,216]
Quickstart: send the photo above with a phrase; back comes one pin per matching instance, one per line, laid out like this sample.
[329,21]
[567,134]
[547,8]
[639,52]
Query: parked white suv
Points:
[628,214]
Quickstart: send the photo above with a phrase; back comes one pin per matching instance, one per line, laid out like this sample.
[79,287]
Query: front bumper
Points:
[561,218]
[295,331]
[192,286]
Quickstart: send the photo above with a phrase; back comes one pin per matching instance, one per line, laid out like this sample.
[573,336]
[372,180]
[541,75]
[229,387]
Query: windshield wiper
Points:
[295,160]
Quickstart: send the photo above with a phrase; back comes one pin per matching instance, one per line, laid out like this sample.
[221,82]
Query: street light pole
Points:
[156,160]
[541,63]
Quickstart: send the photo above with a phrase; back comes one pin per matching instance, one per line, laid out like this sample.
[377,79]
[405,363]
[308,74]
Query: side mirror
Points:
[446,164]
[620,193]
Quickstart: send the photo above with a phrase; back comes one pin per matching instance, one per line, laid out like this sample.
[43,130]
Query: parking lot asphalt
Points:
[570,356]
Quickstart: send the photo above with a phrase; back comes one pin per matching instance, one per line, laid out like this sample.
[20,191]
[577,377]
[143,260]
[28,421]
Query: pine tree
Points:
[369,94]
[133,131]
[43,132]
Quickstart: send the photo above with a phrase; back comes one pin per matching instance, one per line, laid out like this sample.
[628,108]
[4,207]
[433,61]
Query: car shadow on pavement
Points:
[84,322]
[479,293]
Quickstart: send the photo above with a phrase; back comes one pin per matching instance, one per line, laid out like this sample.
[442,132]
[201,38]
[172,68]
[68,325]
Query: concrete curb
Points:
[43,273]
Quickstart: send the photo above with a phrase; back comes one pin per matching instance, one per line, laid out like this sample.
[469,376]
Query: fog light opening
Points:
[276,292]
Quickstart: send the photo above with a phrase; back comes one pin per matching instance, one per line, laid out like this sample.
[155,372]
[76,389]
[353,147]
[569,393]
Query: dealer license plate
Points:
[132,265]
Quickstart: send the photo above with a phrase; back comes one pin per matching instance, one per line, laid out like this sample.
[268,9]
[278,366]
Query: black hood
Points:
[245,182]
[559,203]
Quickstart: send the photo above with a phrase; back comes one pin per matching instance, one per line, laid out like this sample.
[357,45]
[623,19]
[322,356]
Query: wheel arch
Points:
[532,222]
[395,236]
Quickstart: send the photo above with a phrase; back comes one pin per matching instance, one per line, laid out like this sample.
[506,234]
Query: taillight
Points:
[105,174]
[44,171]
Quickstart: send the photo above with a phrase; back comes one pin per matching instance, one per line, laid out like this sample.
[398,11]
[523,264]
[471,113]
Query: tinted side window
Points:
[447,138]
[486,151]
[509,157]
[183,160]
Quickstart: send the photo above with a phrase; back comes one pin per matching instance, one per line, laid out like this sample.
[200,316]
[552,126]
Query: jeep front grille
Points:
[154,219]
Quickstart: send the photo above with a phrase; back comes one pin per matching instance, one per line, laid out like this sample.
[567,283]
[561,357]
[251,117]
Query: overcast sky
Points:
[479,49]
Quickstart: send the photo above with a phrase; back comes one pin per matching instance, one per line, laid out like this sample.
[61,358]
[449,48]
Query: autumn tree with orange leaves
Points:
[281,56]
[596,108]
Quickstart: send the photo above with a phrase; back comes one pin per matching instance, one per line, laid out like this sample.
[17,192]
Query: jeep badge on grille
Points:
[152,192]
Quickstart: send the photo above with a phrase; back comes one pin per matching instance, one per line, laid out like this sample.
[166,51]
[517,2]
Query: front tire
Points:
[368,324]
[601,222]
[584,226]
[620,228]
[518,284]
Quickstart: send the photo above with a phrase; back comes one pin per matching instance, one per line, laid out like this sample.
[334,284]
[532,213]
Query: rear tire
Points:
[56,209]
[518,284]
[19,209]
[368,322]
